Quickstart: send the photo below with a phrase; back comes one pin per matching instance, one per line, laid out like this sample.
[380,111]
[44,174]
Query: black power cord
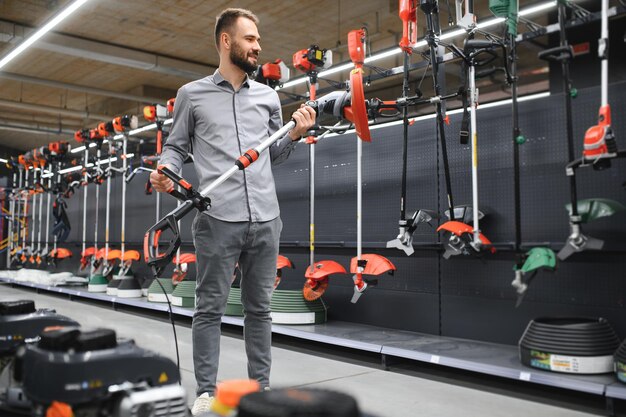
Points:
[171,314]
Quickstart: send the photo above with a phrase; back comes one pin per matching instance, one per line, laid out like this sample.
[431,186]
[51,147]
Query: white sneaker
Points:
[202,404]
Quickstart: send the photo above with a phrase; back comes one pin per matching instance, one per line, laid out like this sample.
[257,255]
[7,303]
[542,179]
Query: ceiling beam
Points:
[53,110]
[79,88]
[104,52]
[42,130]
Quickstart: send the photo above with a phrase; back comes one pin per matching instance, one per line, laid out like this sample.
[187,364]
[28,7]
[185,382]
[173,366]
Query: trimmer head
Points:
[578,242]
[533,261]
[460,240]
[369,264]
[404,240]
[317,278]
[314,289]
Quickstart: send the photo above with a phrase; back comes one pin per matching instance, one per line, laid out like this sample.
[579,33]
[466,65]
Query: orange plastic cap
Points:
[230,392]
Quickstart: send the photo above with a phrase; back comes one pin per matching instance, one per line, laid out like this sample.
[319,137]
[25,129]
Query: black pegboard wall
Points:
[472,290]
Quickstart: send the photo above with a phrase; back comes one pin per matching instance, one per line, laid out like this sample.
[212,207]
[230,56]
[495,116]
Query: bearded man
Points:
[221,116]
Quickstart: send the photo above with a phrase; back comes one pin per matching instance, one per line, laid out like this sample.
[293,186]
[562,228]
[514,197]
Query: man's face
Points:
[245,48]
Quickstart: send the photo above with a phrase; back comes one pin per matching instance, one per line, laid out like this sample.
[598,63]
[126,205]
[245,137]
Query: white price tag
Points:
[524,376]
[435,359]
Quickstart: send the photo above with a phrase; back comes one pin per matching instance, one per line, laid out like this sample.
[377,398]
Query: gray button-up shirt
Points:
[222,124]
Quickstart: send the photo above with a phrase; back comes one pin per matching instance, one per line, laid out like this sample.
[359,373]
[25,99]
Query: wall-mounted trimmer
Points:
[407,225]
[362,264]
[527,264]
[430,8]
[97,281]
[57,153]
[599,149]
[461,237]
[600,145]
[318,272]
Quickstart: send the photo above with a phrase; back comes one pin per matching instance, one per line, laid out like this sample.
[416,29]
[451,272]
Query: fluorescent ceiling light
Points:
[446,35]
[142,129]
[42,31]
[536,9]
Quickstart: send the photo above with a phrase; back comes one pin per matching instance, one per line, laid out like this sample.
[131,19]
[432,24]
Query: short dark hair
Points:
[226,20]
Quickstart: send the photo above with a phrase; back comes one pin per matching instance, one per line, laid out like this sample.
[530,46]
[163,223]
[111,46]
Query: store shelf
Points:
[616,390]
[481,357]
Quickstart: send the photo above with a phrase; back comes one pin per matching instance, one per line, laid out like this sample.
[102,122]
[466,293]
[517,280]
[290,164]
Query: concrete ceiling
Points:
[113,56]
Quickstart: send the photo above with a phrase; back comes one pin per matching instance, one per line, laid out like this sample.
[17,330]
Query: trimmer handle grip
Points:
[473,44]
[154,255]
[558,54]
[164,170]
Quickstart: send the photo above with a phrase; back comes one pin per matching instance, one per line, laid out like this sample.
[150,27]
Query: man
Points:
[222,116]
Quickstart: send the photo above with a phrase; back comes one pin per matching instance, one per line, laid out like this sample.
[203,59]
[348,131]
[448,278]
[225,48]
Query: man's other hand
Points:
[305,119]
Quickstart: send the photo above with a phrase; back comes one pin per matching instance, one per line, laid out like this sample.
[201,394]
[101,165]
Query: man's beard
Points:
[240,58]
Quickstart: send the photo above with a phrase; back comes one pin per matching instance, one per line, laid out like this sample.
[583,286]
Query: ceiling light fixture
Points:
[58,18]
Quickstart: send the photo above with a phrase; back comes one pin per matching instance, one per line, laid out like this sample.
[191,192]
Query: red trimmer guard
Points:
[314,289]
[357,112]
[185,258]
[459,228]
[376,265]
[88,252]
[131,255]
[114,254]
[60,253]
[322,269]
[283,262]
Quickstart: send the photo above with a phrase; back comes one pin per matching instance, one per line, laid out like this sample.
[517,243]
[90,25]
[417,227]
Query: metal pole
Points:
[25,213]
[124,168]
[40,220]
[58,182]
[264,145]
[567,88]
[431,38]
[516,134]
[11,218]
[85,188]
[108,208]
[48,212]
[312,207]
[359,199]
[474,136]
[604,38]
[33,214]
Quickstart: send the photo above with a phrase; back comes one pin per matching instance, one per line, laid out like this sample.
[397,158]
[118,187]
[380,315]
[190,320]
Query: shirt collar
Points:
[219,79]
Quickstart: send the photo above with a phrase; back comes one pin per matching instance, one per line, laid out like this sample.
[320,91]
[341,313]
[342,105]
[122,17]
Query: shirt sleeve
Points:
[176,148]
[282,148]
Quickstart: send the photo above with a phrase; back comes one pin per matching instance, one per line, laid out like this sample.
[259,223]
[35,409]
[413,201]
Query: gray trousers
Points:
[219,246]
